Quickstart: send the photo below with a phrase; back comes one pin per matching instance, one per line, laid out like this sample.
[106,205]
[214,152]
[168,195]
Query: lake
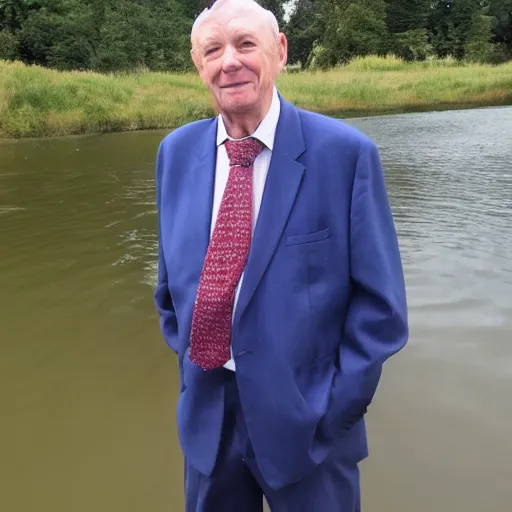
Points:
[88,388]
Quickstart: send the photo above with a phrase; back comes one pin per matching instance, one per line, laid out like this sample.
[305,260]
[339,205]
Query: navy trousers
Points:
[236,484]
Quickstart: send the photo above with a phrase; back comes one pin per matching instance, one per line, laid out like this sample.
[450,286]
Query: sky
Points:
[288,8]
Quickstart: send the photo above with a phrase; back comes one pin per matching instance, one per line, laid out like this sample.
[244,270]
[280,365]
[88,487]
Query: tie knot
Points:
[243,152]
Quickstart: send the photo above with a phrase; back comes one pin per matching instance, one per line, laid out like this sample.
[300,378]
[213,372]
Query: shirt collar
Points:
[266,130]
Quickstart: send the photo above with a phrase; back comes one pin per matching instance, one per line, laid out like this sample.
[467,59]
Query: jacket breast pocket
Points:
[308,238]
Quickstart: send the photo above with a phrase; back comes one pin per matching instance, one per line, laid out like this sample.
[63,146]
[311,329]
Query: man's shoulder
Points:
[187,134]
[324,130]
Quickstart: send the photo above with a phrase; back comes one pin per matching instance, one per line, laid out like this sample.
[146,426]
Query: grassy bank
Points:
[37,102]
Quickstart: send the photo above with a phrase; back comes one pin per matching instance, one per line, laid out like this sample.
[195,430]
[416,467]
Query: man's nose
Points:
[230,61]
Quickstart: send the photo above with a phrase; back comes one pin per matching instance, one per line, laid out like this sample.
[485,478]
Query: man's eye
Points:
[209,51]
[247,43]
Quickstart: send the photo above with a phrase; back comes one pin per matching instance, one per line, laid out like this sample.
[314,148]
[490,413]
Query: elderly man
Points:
[280,284]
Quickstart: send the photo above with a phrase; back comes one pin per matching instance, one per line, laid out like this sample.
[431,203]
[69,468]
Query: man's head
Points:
[239,52]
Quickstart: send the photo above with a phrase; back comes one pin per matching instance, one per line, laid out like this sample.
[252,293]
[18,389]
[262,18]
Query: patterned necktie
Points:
[225,260]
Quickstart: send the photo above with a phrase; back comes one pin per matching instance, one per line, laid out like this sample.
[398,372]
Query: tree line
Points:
[122,35]
[324,33]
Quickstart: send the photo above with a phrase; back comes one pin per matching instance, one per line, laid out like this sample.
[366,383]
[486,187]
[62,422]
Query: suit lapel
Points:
[201,182]
[283,182]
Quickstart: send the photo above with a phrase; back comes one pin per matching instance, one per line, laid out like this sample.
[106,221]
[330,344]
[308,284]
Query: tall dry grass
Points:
[374,85]
[36,102]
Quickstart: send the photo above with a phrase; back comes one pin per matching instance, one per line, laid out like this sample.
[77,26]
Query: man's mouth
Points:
[234,85]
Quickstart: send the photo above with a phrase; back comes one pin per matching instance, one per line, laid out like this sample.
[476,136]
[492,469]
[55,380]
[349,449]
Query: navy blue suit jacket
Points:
[322,303]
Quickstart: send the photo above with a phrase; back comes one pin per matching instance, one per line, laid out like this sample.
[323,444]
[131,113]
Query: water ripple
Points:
[450,183]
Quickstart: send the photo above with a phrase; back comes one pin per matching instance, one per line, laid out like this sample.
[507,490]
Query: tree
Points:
[450,25]
[152,34]
[13,13]
[118,35]
[404,15]
[501,12]
[412,44]
[478,47]
[191,8]
[407,22]
[8,45]
[301,31]
[351,28]
[362,29]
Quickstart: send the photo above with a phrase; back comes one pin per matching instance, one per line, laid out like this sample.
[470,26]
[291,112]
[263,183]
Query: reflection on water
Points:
[88,389]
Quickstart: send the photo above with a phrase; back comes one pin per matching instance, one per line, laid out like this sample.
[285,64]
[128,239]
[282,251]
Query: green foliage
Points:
[103,35]
[413,44]
[404,16]
[55,37]
[125,35]
[155,38]
[451,23]
[12,14]
[302,32]
[321,57]
[192,8]
[354,29]
[478,46]
[501,13]
[361,30]
[8,45]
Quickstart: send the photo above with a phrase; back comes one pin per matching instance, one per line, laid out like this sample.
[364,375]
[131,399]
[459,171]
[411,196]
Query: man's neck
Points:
[244,125]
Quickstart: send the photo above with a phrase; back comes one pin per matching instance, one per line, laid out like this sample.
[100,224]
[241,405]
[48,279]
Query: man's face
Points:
[239,58]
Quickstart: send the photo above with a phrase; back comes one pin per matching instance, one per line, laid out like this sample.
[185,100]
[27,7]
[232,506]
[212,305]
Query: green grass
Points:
[38,102]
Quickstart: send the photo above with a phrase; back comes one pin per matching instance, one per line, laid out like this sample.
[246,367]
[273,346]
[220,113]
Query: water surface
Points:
[88,388]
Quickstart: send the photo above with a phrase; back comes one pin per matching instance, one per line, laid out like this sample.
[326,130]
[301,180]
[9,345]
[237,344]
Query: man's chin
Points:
[237,106]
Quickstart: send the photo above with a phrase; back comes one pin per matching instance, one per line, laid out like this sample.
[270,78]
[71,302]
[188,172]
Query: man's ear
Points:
[283,50]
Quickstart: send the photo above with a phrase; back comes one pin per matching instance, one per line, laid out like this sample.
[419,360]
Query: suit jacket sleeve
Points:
[163,300]
[376,323]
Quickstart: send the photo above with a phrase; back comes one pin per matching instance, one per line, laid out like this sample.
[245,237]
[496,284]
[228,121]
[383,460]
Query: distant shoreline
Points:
[37,102]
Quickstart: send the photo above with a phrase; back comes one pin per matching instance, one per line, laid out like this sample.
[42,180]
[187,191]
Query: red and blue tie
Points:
[225,260]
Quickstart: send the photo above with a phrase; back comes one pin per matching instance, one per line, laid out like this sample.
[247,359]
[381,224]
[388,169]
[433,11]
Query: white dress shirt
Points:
[265,133]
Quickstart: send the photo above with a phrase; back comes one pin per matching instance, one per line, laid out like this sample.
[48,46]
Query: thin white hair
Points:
[267,15]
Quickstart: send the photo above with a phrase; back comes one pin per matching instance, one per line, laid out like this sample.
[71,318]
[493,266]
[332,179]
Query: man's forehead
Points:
[223,11]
